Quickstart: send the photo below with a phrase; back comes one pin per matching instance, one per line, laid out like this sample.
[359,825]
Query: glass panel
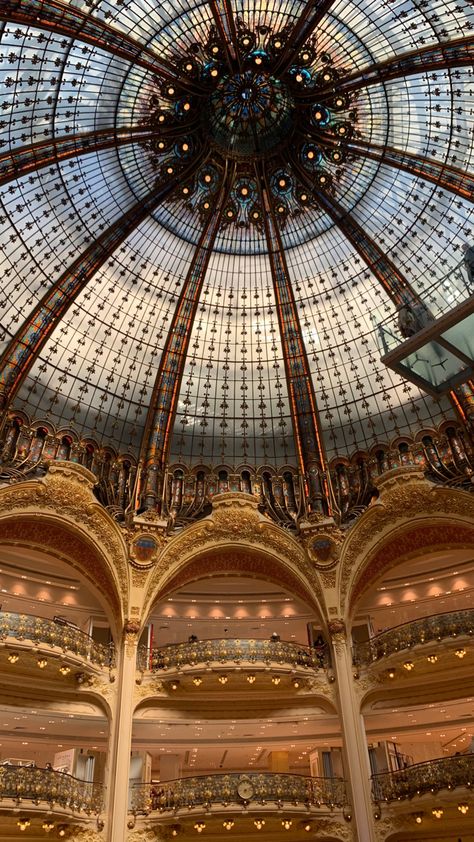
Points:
[433,363]
[461,336]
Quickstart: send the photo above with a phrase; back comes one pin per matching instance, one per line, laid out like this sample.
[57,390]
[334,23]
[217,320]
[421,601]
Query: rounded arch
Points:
[236,561]
[412,516]
[59,515]
[235,538]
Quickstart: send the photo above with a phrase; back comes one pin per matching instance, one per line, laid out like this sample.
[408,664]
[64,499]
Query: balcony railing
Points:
[230,652]
[57,789]
[438,627]
[218,791]
[52,633]
[431,776]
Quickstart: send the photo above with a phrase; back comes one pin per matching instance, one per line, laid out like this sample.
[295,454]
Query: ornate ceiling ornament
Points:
[235,536]
[246,107]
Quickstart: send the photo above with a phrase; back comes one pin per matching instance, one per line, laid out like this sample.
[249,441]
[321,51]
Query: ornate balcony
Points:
[229,653]
[438,627]
[61,792]
[43,632]
[214,793]
[431,776]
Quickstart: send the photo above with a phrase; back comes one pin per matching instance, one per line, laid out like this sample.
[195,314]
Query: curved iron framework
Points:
[200,144]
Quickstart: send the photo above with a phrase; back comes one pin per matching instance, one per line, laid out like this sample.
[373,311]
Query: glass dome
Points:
[210,209]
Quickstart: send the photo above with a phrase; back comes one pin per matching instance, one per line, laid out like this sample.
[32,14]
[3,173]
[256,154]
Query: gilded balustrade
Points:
[225,651]
[421,778]
[57,789]
[424,630]
[217,791]
[51,633]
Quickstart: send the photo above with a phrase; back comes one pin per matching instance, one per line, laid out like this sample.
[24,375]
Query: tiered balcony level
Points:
[455,628]
[214,663]
[48,800]
[57,646]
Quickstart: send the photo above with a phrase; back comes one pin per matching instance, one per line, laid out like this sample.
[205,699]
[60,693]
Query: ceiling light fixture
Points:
[437,812]
[47,826]
[463,808]
[23,823]
[199,826]
[42,663]
[228,824]
[13,657]
[259,823]
[409,666]
[460,653]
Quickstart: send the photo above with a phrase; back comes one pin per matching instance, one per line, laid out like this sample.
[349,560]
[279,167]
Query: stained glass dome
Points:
[212,211]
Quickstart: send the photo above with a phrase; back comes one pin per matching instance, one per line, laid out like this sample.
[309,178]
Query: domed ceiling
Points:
[209,210]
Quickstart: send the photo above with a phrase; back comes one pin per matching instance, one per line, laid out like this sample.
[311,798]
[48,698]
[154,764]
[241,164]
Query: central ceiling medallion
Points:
[286,127]
[250,114]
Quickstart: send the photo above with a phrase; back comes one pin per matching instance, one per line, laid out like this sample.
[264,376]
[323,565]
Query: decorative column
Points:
[120,743]
[354,739]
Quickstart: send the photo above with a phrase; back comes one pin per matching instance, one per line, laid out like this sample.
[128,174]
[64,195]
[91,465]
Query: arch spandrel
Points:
[59,514]
[235,538]
[412,516]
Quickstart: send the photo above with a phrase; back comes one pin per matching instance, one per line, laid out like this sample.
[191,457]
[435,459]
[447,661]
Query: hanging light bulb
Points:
[418,818]
[295,683]
[62,829]
[23,823]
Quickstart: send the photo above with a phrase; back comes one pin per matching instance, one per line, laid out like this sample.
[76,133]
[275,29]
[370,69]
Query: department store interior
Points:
[237,420]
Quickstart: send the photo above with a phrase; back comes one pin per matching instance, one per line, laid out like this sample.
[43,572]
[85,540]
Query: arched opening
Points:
[55,636]
[412,629]
[231,647]
[57,542]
